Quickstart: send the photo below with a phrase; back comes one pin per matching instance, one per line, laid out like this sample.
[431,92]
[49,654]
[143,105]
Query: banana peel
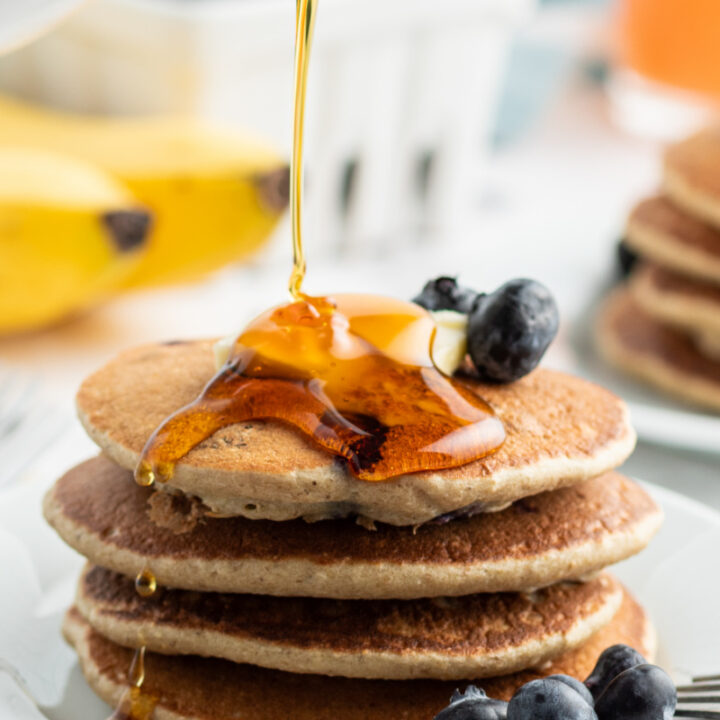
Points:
[215,195]
[70,234]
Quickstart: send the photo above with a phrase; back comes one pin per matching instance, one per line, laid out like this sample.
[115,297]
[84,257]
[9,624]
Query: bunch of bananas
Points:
[90,205]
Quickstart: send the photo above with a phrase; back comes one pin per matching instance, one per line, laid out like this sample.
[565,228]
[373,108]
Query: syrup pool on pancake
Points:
[355,374]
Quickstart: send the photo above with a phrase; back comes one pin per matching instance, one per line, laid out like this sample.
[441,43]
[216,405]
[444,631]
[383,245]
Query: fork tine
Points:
[705,678]
[698,687]
[699,714]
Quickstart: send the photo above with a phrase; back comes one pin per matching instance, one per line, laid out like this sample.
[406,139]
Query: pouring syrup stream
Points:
[304,28]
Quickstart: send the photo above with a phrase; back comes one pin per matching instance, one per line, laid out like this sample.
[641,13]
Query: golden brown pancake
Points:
[560,430]
[687,303]
[655,352]
[564,534]
[444,638]
[662,231]
[211,689]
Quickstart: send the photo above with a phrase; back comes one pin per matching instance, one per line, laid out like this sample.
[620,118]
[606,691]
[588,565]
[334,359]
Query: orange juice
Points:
[676,42]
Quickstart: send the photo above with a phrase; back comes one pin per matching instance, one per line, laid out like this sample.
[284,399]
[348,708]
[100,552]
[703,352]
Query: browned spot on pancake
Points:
[641,334]
[547,414]
[100,498]
[219,690]
[175,511]
[667,281]
[473,624]
[661,215]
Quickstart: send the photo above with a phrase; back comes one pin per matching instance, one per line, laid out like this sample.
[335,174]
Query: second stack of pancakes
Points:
[665,326]
[289,588]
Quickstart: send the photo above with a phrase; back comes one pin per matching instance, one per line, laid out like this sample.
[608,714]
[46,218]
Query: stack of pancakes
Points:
[665,326]
[289,588]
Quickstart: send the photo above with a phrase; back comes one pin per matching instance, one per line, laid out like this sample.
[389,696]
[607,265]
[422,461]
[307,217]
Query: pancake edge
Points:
[692,314]
[647,366]
[665,249]
[359,580]
[412,664]
[370,500]
[77,631]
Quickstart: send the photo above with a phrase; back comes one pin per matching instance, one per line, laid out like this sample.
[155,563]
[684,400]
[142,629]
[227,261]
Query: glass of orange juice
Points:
[670,62]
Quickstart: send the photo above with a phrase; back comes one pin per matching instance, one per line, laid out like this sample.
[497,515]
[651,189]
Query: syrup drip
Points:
[135,704]
[145,583]
[355,375]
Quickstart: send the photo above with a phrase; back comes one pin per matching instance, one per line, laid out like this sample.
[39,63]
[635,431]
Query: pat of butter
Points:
[450,343]
[222,349]
[448,350]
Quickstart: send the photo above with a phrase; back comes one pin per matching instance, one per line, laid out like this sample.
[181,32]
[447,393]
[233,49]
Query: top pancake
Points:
[560,430]
[662,230]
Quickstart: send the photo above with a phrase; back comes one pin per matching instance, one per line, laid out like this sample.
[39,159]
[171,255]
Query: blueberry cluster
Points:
[508,331]
[621,687]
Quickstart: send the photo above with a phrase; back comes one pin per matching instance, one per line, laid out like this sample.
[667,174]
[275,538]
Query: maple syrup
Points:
[353,372]
[145,583]
[304,27]
[135,703]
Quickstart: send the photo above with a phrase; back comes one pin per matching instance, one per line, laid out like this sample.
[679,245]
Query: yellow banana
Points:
[69,233]
[215,196]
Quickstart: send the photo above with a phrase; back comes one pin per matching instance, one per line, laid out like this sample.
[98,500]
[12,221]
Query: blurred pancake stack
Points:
[664,325]
[286,587]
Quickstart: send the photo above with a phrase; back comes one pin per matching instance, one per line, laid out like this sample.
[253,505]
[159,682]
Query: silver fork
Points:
[28,424]
[700,698]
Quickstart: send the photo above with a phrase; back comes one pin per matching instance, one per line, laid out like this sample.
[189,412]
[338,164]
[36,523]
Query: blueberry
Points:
[576,685]
[443,293]
[626,258]
[510,330]
[643,692]
[550,698]
[610,664]
[473,704]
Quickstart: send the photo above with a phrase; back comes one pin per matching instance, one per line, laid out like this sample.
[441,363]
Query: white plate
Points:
[676,579]
[656,416]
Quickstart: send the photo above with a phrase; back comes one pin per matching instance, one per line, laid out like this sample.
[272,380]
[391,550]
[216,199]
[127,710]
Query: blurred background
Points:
[143,175]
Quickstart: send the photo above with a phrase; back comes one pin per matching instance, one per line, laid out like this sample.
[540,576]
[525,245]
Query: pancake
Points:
[662,231]
[211,689]
[560,430]
[691,176]
[708,343]
[689,304]
[657,353]
[100,511]
[442,638]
